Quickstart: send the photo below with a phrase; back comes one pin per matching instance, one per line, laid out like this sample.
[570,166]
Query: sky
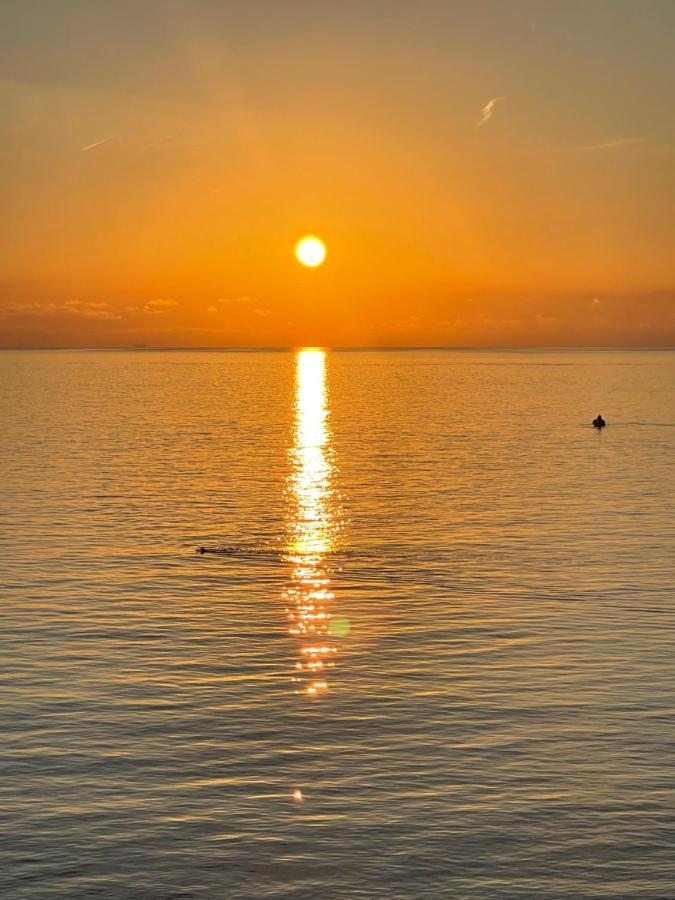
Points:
[483,173]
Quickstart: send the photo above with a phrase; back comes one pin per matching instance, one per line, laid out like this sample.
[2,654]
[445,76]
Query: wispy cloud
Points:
[615,142]
[242,306]
[87,308]
[488,109]
[95,144]
[156,307]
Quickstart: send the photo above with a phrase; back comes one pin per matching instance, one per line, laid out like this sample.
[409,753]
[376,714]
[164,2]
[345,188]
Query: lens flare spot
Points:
[339,626]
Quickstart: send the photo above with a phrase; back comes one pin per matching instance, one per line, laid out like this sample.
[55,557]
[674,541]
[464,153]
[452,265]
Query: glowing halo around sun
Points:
[310,251]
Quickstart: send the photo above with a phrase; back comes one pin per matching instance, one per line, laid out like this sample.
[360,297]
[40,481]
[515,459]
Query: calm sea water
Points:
[433,657]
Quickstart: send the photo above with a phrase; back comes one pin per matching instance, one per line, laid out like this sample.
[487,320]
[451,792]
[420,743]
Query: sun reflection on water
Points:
[312,526]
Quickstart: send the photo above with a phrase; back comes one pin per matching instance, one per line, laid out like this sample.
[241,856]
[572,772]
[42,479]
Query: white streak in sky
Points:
[615,142]
[95,144]
[488,109]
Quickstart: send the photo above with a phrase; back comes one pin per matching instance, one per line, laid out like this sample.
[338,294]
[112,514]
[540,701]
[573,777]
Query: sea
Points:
[337,625]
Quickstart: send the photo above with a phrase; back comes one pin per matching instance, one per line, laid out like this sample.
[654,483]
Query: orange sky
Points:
[159,161]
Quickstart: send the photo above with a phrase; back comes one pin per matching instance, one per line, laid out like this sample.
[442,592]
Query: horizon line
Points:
[288,348]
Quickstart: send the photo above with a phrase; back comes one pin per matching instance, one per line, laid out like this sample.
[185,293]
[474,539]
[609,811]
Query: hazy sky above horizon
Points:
[483,173]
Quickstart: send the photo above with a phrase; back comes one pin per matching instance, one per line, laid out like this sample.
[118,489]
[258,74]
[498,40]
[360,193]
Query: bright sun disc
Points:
[310,251]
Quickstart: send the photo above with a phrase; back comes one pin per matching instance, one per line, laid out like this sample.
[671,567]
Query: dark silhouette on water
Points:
[599,422]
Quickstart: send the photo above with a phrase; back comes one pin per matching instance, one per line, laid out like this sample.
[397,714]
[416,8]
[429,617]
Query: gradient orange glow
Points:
[483,175]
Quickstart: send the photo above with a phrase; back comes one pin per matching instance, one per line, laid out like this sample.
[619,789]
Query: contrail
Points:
[616,142]
[488,109]
[95,144]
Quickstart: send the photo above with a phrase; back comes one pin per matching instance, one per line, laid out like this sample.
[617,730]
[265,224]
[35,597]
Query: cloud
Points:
[87,308]
[243,304]
[95,144]
[488,109]
[94,310]
[157,307]
[615,142]
[168,302]
[212,309]
[152,307]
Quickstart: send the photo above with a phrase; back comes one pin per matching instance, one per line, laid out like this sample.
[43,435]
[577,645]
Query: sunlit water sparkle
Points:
[490,578]
[312,525]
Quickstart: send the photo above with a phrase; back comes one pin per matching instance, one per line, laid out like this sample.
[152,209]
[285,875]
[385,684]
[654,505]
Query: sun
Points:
[310,251]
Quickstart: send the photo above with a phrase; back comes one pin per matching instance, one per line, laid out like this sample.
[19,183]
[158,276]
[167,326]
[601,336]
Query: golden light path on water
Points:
[312,526]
